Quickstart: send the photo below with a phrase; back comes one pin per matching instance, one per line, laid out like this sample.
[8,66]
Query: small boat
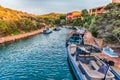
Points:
[47,31]
[75,38]
[70,27]
[87,66]
[57,29]
[110,52]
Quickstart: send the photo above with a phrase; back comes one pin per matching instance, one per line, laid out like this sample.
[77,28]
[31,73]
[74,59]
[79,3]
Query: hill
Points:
[107,25]
[10,15]
[53,19]
[13,22]
[52,15]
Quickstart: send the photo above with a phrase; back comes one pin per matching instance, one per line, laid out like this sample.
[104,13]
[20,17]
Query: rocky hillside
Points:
[107,25]
[10,15]
[13,22]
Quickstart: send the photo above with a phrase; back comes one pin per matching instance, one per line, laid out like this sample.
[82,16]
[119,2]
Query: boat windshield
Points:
[76,36]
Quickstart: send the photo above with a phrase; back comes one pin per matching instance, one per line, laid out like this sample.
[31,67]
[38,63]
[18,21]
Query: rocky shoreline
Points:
[7,39]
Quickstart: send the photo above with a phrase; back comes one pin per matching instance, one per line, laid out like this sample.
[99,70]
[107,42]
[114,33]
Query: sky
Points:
[47,6]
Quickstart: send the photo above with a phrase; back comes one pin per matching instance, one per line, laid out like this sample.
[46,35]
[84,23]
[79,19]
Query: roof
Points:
[75,13]
[98,7]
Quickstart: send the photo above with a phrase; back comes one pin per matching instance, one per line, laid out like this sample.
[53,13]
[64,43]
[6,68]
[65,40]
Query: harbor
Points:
[45,56]
[37,57]
[59,40]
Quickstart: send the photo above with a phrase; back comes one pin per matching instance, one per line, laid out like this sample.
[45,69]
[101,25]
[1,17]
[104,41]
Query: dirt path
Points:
[20,36]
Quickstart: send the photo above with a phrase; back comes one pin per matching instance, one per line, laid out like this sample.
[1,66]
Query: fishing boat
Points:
[87,66]
[47,31]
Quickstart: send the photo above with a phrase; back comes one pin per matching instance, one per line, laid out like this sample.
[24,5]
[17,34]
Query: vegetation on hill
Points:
[107,25]
[52,15]
[14,22]
[84,20]
[53,19]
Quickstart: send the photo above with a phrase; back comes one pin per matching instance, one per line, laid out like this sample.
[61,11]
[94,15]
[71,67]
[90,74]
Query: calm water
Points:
[41,57]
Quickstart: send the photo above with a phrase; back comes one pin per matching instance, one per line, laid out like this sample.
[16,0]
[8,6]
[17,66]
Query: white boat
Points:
[47,31]
[110,52]
[87,66]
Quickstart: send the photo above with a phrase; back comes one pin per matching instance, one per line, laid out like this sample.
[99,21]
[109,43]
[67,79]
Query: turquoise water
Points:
[41,57]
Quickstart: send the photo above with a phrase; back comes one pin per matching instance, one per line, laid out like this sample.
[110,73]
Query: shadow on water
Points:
[71,71]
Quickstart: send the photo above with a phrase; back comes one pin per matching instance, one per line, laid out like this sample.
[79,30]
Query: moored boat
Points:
[87,66]
[57,29]
[110,52]
[74,38]
[47,31]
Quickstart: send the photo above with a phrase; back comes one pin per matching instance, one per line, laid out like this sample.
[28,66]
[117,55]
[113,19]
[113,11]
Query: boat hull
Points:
[47,32]
[79,70]
[57,29]
[75,69]
[116,75]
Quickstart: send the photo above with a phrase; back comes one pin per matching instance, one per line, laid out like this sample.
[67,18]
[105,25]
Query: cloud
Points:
[46,6]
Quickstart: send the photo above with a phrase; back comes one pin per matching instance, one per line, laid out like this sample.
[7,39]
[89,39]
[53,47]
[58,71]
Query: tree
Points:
[85,12]
[3,26]
[107,24]
[77,22]
[113,7]
[13,29]
[57,21]
[63,17]
[116,34]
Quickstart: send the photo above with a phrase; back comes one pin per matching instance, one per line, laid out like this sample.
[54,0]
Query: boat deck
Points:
[89,39]
[88,65]
[72,50]
[116,67]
